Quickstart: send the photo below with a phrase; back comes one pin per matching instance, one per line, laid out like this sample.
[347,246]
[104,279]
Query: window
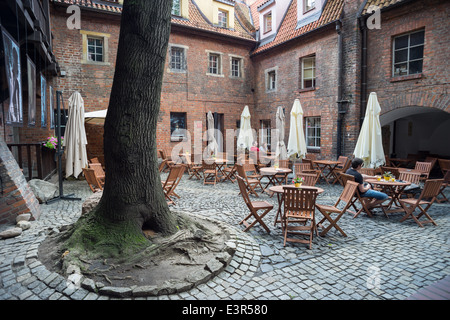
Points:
[177,58]
[95,49]
[313,132]
[223,19]
[408,54]
[271,80]
[308,5]
[214,64]
[236,64]
[176,11]
[308,77]
[177,126]
[268,22]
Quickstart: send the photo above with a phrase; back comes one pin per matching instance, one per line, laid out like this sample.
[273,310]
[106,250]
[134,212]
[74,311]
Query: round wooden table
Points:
[327,165]
[394,189]
[279,190]
[275,176]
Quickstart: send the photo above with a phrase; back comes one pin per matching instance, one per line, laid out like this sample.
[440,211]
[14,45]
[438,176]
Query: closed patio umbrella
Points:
[296,143]
[212,143]
[369,146]
[75,137]
[245,138]
[280,151]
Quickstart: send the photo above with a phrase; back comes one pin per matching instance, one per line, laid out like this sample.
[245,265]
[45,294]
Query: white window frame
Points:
[267,27]
[240,69]
[183,62]
[85,36]
[408,48]
[313,68]
[222,18]
[315,136]
[176,12]
[307,8]
[219,66]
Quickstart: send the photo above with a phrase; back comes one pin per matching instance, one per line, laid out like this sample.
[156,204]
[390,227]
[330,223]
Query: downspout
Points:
[363,28]
[340,102]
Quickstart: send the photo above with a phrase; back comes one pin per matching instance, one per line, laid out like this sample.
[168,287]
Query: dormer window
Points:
[268,22]
[308,5]
[176,8]
[223,19]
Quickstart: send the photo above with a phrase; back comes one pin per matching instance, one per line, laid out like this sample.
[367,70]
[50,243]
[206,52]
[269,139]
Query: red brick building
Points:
[226,54]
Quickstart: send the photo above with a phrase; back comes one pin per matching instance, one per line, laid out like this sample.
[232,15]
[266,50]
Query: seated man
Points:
[365,189]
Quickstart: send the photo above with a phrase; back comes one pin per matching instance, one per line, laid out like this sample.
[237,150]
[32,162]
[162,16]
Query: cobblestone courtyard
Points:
[382,258]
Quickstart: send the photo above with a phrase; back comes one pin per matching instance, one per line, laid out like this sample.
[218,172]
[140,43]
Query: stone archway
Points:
[417,130]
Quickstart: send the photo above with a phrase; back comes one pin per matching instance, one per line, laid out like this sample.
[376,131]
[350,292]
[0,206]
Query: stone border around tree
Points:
[236,243]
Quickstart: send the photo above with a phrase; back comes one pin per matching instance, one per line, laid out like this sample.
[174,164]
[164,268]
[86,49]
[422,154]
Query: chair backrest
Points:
[413,177]
[244,193]
[302,167]
[300,200]
[444,164]
[347,165]
[241,172]
[94,160]
[249,167]
[208,166]
[310,156]
[433,161]
[431,188]
[98,170]
[349,191]
[309,179]
[342,160]
[424,167]
[283,163]
[174,177]
[447,177]
[392,170]
[346,177]
[367,171]
[92,180]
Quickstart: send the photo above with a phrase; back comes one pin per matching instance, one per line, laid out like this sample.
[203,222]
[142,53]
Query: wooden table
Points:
[279,190]
[393,189]
[271,172]
[220,163]
[324,165]
[397,162]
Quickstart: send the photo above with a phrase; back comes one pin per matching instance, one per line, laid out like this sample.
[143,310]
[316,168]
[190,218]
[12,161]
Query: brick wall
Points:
[320,102]
[17,196]
[428,89]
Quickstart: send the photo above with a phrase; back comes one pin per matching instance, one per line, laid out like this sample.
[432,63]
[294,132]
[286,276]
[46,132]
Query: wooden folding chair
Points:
[444,164]
[303,167]
[254,207]
[427,197]
[194,170]
[357,197]
[414,187]
[392,170]
[424,168]
[309,179]
[166,161]
[173,179]
[251,184]
[298,218]
[92,180]
[230,173]
[444,185]
[346,197]
[99,172]
[283,164]
[346,162]
[209,173]
[94,160]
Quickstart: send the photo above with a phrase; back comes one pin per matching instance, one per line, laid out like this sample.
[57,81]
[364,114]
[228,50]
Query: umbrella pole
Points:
[59,153]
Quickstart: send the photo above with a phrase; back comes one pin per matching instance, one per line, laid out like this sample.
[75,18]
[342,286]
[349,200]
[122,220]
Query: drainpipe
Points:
[340,102]
[363,28]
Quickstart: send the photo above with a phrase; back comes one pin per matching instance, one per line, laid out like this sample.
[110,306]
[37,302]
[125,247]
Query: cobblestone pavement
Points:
[382,258]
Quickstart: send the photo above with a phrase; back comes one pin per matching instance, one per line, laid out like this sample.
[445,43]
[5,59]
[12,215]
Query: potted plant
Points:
[387,175]
[297,181]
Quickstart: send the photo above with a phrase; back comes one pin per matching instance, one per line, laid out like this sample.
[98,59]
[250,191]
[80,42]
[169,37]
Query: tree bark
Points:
[133,194]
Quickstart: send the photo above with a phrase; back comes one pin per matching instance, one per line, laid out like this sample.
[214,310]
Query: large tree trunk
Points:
[133,195]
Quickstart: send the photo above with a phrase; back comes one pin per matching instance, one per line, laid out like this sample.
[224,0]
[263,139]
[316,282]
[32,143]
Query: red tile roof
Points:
[196,19]
[288,29]
[379,3]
